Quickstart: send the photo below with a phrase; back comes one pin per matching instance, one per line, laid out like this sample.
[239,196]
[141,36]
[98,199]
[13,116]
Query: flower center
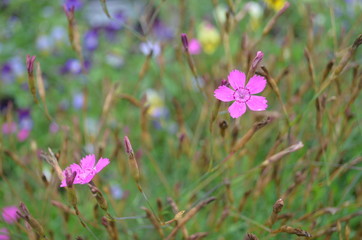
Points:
[242,95]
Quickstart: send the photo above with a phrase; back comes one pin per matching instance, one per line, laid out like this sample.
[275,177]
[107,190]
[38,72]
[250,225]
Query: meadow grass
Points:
[180,166]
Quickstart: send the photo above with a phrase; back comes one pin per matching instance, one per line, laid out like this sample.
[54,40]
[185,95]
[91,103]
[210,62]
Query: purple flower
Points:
[147,47]
[23,134]
[25,121]
[7,75]
[91,40]
[241,94]
[87,169]
[162,32]
[77,4]
[73,66]
[78,100]
[194,47]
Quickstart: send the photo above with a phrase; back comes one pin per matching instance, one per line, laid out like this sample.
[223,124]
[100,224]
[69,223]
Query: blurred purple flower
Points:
[162,32]
[7,75]
[76,3]
[91,40]
[59,34]
[147,47]
[9,128]
[73,66]
[53,127]
[117,192]
[78,100]
[44,43]
[25,121]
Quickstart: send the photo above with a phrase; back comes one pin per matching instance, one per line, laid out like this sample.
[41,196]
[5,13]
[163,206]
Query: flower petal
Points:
[256,84]
[236,79]
[257,103]
[224,94]
[102,162]
[237,109]
[88,161]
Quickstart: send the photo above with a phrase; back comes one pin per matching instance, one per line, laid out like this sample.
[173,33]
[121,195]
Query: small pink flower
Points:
[4,234]
[9,214]
[194,47]
[9,128]
[23,134]
[241,94]
[86,170]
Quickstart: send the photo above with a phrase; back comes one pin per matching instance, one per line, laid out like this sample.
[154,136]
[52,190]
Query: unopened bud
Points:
[278,206]
[127,144]
[69,12]
[30,64]
[70,176]
[185,41]
[259,56]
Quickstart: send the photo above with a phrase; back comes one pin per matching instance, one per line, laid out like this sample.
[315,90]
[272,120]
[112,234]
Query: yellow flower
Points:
[209,37]
[276,5]
[156,104]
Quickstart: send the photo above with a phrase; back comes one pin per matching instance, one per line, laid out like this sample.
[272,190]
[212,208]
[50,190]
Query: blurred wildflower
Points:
[220,13]
[17,66]
[44,43]
[23,134]
[77,4]
[256,12]
[241,94]
[194,46]
[91,40]
[9,214]
[78,100]
[4,234]
[24,117]
[156,104]
[117,192]
[9,128]
[91,126]
[147,47]
[53,127]
[209,37]
[7,75]
[276,5]
[73,66]
[87,169]
[161,31]
[59,34]
[114,60]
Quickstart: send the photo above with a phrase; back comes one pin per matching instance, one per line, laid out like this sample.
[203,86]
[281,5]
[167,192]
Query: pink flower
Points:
[87,169]
[23,134]
[4,234]
[194,47]
[241,94]
[9,214]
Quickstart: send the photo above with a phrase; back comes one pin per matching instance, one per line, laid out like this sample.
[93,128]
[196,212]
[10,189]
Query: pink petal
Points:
[9,214]
[236,79]
[88,176]
[224,94]
[237,109]
[257,103]
[256,84]
[88,161]
[102,162]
